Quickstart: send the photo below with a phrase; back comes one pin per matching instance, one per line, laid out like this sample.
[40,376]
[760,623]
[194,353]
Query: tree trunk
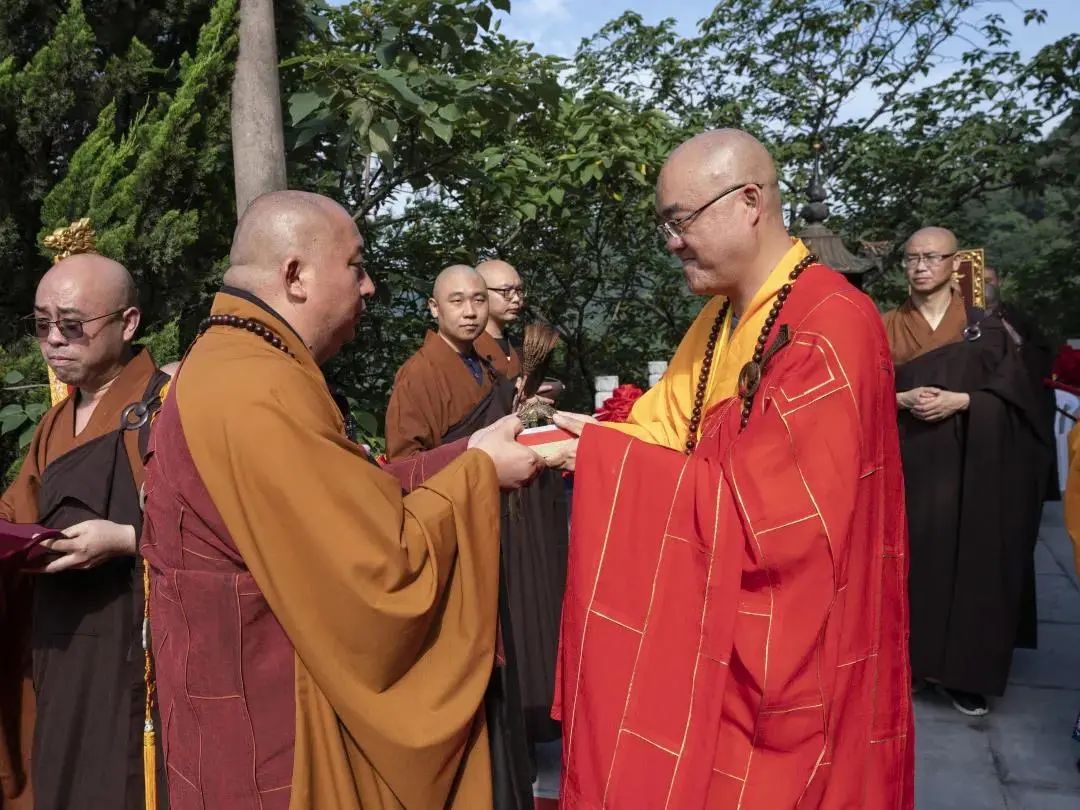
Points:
[257,135]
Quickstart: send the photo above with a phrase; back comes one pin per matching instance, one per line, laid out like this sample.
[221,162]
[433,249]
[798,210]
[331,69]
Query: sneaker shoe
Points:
[969,703]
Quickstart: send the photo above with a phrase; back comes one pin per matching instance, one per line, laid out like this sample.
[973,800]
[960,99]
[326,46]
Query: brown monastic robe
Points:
[321,641]
[84,626]
[974,486]
[434,391]
[509,365]
[435,399]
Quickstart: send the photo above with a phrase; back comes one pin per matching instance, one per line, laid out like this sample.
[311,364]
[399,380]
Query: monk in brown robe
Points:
[444,391]
[82,474]
[974,446]
[506,298]
[542,561]
[321,640]
[506,302]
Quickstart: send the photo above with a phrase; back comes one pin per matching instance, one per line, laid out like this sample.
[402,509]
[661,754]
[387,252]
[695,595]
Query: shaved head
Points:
[720,201]
[942,238]
[275,226]
[454,277]
[718,159]
[301,254]
[459,303]
[90,277]
[930,260]
[506,294]
[96,298]
[496,271]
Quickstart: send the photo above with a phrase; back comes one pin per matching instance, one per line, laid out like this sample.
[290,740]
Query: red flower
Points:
[617,408]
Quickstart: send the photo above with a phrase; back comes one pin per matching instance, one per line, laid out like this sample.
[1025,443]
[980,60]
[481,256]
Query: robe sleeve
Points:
[1072,493]
[413,471]
[1006,383]
[411,417]
[18,504]
[661,415]
[389,602]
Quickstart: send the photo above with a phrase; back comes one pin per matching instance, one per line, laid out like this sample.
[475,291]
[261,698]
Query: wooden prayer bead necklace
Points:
[249,324]
[750,375]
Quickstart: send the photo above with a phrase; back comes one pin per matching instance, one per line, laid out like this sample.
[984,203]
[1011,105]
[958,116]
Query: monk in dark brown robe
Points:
[973,446]
[506,301]
[321,639]
[82,474]
[506,298]
[444,391]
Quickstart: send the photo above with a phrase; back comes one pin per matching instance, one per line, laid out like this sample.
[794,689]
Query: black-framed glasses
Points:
[915,259]
[509,292]
[675,228]
[70,328]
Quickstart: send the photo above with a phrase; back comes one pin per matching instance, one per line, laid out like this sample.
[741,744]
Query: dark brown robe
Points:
[507,364]
[85,626]
[1038,353]
[973,498]
[436,399]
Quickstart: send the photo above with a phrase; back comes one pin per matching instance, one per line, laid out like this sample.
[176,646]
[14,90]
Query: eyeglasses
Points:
[915,259]
[70,328]
[509,292]
[675,228]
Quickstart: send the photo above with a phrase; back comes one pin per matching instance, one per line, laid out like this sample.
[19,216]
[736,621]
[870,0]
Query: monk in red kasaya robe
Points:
[735,626]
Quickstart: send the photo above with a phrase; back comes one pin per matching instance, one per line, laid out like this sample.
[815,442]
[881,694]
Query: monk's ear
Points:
[433,308]
[132,318]
[754,196]
[294,278]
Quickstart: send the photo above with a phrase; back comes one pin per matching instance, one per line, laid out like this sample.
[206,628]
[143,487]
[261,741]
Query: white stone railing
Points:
[604,385]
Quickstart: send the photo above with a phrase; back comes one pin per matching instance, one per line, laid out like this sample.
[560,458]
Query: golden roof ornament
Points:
[78,237]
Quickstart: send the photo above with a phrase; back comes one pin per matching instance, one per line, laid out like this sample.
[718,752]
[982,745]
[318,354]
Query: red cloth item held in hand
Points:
[22,538]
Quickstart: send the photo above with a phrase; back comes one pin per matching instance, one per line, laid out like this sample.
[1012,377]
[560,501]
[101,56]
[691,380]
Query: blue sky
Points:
[557,26]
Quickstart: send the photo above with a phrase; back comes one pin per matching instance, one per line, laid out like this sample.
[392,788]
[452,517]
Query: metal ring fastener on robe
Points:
[972,333]
[134,416]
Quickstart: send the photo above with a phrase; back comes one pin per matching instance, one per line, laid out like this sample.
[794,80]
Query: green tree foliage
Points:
[924,108]
[153,192]
[1032,235]
[452,142]
[61,63]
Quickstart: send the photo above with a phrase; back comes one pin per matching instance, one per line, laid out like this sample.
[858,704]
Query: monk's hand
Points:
[574,422]
[941,405]
[515,464]
[88,545]
[511,422]
[565,458]
[907,400]
[550,389]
